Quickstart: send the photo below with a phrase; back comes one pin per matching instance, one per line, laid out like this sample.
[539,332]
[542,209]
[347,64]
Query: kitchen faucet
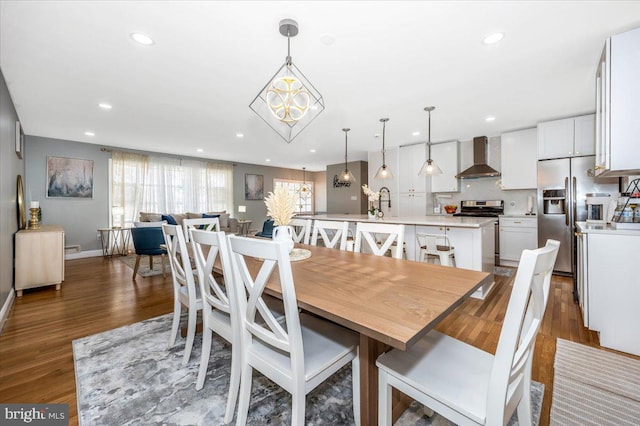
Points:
[382,190]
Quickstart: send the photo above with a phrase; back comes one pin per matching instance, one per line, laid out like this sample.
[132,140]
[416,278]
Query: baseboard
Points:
[83,254]
[6,308]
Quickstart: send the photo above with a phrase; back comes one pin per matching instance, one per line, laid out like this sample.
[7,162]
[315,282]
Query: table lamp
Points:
[242,209]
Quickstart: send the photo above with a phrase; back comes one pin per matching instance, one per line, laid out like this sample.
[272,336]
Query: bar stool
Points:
[436,245]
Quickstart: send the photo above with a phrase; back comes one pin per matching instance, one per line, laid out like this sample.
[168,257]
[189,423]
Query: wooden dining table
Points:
[390,303]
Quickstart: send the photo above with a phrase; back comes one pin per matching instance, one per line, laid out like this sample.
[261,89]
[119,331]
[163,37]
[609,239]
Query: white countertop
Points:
[601,228]
[520,216]
[427,220]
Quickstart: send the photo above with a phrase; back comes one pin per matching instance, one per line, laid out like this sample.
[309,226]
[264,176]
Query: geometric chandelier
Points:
[288,103]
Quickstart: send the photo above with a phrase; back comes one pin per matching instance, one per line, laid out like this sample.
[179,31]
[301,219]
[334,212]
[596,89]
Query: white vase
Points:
[371,216]
[284,233]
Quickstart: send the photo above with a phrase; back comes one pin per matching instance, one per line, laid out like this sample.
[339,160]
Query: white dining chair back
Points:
[298,354]
[301,230]
[378,238]
[207,224]
[217,313]
[337,235]
[465,384]
[185,292]
[437,246]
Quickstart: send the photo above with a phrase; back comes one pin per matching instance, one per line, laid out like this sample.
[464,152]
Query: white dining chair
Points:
[218,315]
[207,224]
[378,238]
[468,385]
[185,291]
[301,230]
[337,234]
[436,246]
[298,355]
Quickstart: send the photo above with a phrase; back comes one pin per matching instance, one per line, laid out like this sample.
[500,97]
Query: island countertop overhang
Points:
[435,220]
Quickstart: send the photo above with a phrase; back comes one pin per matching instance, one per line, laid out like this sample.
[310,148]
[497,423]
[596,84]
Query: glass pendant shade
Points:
[384,172]
[346,176]
[289,102]
[305,188]
[429,168]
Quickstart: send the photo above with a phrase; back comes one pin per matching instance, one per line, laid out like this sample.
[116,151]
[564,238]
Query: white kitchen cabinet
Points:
[519,159]
[582,276]
[569,137]
[413,187]
[517,234]
[617,106]
[447,157]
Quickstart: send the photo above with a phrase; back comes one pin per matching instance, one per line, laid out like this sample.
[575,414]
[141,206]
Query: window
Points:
[304,198]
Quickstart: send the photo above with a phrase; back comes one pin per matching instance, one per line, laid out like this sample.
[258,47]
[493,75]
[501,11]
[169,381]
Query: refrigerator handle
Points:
[566,207]
[574,199]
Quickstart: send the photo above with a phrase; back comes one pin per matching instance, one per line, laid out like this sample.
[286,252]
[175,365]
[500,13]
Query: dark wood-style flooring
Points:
[36,360]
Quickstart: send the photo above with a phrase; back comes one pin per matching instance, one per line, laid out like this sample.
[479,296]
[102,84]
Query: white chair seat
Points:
[324,344]
[441,365]
[184,297]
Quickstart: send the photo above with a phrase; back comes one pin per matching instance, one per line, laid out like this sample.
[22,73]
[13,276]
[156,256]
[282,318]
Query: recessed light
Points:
[239,135]
[312,151]
[89,133]
[493,38]
[327,39]
[200,150]
[142,38]
[377,135]
[268,160]
[416,133]
[490,119]
[105,106]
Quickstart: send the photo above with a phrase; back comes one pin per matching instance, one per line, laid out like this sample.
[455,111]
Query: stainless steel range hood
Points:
[480,168]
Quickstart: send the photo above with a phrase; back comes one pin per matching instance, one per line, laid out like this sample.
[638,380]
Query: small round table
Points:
[243,227]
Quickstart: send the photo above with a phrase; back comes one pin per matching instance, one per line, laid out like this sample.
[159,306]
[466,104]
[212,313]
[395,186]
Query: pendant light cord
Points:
[384,162]
[345,150]
[288,47]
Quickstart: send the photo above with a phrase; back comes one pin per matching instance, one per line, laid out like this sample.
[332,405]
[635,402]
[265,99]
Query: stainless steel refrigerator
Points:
[562,187]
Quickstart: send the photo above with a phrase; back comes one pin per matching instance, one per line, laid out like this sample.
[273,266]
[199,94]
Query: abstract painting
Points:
[253,187]
[69,178]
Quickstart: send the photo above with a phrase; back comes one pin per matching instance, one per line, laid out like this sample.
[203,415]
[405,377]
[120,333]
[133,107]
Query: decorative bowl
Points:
[450,209]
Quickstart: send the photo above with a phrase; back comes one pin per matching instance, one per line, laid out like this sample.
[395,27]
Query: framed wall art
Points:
[69,178]
[19,140]
[253,187]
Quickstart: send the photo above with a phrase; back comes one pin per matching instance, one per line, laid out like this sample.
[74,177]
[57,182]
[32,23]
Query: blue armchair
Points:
[147,242]
[267,229]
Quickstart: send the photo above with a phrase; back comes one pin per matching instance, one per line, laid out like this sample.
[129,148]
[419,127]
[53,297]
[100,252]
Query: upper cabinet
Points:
[519,160]
[447,156]
[410,160]
[617,106]
[568,137]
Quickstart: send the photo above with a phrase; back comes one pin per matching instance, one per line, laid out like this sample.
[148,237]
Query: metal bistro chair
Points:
[436,246]
[468,385]
[298,355]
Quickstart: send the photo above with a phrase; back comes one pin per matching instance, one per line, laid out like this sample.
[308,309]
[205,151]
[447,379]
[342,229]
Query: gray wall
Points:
[81,218]
[341,200]
[10,167]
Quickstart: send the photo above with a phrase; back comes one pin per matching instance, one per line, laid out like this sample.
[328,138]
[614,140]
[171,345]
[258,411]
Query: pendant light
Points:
[288,102]
[384,172]
[305,189]
[346,176]
[429,167]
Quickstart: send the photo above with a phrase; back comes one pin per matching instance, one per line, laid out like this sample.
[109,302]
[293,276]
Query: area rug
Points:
[143,269]
[128,376]
[594,387]
[504,271]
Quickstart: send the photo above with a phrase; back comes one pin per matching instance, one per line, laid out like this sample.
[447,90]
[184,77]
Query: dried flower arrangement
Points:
[281,206]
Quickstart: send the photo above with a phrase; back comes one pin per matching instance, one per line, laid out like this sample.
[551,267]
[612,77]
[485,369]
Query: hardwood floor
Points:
[36,359]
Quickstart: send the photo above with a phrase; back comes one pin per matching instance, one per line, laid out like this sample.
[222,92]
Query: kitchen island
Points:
[472,237]
[608,290]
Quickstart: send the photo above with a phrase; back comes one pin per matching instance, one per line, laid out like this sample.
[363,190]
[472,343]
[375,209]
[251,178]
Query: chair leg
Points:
[355,376]
[191,333]
[164,271]
[204,357]
[177,310]
[298,402]
[234,382]
[524,409]
[150,262]
[137,265]
[245,394]
[384,399]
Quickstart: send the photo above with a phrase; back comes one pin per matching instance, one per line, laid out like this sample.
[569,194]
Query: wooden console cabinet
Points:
[39,257]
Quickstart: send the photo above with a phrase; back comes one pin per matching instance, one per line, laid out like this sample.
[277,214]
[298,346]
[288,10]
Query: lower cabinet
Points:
[516,234]
[39,257]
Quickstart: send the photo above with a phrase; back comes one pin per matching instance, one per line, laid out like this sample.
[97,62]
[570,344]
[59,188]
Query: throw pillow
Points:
[224,218]
[149,224]
[210,216]
[170,220]
[150,217]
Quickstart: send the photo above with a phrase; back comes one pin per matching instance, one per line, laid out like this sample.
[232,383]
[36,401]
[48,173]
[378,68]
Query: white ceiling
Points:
[389,59]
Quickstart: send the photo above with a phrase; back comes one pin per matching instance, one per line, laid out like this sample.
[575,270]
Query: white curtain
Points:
[169,185]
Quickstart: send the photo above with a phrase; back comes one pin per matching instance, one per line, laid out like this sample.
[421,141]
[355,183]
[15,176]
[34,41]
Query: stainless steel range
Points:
[485,208]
